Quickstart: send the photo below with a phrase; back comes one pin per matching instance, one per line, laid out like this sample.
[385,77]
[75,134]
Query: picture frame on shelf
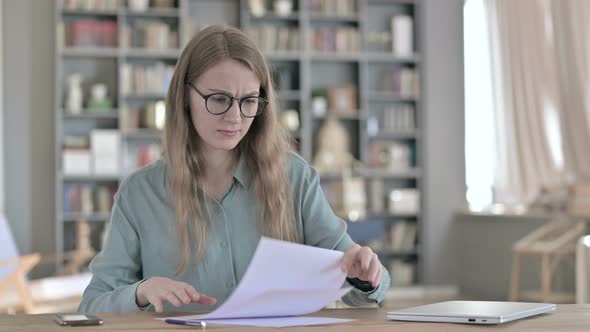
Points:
[343,99]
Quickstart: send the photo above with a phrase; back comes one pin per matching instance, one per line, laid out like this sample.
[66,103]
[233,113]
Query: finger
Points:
[374,269]
[365,257]
[182,295]
[192,292]
[348,258]
[171,297]
[158,305]
[207,300]
[377,280]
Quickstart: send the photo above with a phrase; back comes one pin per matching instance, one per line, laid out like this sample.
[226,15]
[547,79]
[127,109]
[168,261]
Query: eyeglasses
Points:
[219,103]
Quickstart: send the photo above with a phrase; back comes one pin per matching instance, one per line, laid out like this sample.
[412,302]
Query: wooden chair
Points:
[553,243]
[18,294]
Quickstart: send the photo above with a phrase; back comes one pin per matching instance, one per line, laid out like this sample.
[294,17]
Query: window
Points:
[479,114]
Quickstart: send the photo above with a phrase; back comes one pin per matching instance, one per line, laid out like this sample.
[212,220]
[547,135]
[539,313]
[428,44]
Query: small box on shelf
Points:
[404,201]
[105,146]
[76,162]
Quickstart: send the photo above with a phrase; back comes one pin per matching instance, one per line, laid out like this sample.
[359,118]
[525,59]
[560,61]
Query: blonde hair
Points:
[264,147]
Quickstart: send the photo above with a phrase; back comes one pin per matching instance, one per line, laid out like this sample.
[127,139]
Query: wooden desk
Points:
[568,317]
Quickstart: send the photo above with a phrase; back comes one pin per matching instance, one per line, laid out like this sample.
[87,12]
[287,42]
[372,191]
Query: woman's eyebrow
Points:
[231,94]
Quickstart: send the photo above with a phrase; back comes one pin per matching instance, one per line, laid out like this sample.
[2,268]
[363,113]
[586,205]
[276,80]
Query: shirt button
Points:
[224,244]
[229,284]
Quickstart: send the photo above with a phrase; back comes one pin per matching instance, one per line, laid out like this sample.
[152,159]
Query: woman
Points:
[184,229]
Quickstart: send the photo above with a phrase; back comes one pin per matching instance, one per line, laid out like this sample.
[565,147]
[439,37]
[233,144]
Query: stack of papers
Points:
[283,280]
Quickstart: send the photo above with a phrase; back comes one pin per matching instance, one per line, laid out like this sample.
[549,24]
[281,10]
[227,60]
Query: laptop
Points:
[471,312]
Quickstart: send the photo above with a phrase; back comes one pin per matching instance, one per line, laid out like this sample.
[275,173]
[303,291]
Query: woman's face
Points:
[232,78]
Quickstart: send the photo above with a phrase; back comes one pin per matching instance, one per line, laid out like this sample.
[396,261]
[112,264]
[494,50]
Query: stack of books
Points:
[339,40]
[90,33]
[140,79]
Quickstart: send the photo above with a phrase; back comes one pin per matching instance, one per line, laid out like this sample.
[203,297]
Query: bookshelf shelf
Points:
[146,53]
[389,97]
[144,97]
[335,57]
[392,58]
[386,174]
[90,52]
[374,174]
[293,17]
[358,115]
[107,13]
[92,217]
[90,114]
[396,135]
[143,134]
[320,18]
[153,13]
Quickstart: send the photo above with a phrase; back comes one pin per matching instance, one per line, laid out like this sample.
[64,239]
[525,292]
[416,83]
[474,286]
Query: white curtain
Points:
[572,42]
[540,71]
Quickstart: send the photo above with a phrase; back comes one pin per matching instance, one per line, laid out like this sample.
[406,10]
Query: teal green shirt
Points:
[142,239]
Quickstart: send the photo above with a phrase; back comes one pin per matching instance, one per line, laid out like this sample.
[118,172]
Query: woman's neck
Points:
[219,164]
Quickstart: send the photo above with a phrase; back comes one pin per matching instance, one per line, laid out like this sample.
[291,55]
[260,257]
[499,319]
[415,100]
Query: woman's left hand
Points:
[362,263]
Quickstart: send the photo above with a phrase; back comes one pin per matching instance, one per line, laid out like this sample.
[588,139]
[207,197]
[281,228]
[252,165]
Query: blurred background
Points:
[451,135]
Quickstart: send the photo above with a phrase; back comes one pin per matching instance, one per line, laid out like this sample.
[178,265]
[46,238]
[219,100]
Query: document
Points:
[283,280]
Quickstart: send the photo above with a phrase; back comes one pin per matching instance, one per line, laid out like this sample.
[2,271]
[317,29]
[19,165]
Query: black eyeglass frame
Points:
[239,100]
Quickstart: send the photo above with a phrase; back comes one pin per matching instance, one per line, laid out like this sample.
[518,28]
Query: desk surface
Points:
[567,318]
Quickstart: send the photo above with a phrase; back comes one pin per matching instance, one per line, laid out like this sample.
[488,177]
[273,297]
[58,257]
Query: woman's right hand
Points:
[158,290]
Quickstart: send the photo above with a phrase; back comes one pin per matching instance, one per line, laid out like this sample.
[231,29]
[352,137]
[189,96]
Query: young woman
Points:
[184,229]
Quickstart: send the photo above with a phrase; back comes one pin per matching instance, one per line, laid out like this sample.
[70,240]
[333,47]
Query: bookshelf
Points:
[315,47]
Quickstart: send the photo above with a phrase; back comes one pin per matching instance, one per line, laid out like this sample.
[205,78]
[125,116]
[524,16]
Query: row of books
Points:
[391,156]
[333,7]
[91,33]
[401,237]
[97,154]
[392,119]
[150,34]
[140,79]
[342,39]
[114,4]
[275,38]
[91,4]
[87,198]
[402,82]
[149,116]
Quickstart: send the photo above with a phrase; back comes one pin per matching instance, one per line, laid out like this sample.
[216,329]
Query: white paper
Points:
[283,279]
[279,321]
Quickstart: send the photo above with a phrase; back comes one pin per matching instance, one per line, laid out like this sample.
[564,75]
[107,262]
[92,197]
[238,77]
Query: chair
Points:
[17,293]
[554,242]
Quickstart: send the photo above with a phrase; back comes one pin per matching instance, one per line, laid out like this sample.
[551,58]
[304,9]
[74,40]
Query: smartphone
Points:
[77,320]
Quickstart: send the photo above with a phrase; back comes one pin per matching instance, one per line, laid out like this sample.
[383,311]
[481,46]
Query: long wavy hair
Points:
[264,147]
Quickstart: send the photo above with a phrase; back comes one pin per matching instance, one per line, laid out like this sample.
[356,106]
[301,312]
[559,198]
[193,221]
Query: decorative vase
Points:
[75,95]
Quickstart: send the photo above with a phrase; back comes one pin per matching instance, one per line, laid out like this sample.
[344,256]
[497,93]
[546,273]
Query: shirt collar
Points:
[243,173]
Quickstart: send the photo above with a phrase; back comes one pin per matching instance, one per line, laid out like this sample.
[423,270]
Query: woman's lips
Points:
[229,133]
